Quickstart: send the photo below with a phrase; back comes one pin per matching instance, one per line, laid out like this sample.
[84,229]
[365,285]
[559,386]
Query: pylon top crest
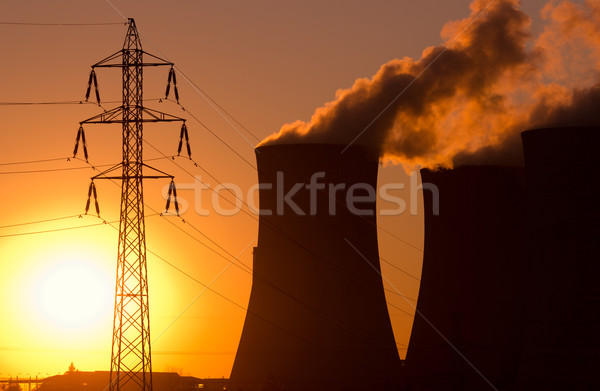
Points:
[132,38]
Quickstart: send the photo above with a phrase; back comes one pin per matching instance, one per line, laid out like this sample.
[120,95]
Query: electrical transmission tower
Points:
[131,362]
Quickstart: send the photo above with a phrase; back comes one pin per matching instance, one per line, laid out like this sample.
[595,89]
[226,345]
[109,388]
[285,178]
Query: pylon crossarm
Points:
[159,116]
[108,117]
[157,170]
[104,63]
[137,177]
[115,116]
[102,175]
[162,60]
[116,60]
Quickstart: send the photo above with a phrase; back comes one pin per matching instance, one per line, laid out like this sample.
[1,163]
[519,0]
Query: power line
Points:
[66,158]
[44,170]
[110,223]
[208,287]
[214,178]
[65,102]
[196,164]
[39,221]
[61,24]
[50,230]
[251,165]
[85,167]
[60,169]
[246,268]
[218,105]
[164,157]
[399,294]
[199,90]
[329,318]
[400,269]
[400,239]
[217,136]
[233,151]
[252,216]
[276,228]
[203,95]
[212,103]
[253,273]
[242,307]
[424,318]
[212,132]
[179,228]
[104,222]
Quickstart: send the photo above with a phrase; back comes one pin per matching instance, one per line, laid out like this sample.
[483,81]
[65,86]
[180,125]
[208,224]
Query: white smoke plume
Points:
[467,101]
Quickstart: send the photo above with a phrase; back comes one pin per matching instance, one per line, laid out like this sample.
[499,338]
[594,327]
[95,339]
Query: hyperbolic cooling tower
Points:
[317,317]
[562,341]
[466,323]
[510,286]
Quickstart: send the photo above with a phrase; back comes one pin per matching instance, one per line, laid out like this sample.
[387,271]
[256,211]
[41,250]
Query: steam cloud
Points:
[466,102]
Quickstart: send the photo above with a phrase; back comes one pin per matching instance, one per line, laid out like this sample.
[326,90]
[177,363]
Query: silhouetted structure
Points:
[510,272]
[509,295]
[473,259]
[561,336]
[131,359]
[98,381]
[317,317]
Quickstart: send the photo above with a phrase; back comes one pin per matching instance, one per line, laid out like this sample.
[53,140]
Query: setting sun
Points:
[74,293]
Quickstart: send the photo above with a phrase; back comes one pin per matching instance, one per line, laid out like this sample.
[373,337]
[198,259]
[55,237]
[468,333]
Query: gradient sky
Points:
[266,63]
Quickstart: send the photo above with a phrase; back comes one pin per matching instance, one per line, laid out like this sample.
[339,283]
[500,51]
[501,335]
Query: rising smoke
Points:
[467,101]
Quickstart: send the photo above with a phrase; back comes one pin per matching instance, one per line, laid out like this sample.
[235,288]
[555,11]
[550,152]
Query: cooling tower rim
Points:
[471,167]
[557,130]
[316,146]
[311,145]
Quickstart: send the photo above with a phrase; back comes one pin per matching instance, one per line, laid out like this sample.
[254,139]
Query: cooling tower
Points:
[317,317]
[563,175]
[465,332]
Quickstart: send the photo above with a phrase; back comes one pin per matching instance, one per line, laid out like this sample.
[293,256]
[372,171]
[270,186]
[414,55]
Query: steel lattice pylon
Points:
[131,362]
[131,358]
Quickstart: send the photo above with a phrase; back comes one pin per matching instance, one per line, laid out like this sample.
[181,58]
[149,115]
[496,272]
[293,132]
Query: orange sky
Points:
[267,64]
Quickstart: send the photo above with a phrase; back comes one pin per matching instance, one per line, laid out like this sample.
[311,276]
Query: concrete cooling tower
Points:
[317,317]
[509,292]
[563,317]
[464,335]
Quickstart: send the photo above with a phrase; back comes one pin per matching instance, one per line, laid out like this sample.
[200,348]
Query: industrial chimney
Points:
[317,317]
[563,317]
[465,332]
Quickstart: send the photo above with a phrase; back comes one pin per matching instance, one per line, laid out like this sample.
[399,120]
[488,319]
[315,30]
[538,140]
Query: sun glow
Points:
[73,294]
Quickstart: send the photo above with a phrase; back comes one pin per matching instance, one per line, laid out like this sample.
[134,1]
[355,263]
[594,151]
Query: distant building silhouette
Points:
[317,317]
[99,380]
